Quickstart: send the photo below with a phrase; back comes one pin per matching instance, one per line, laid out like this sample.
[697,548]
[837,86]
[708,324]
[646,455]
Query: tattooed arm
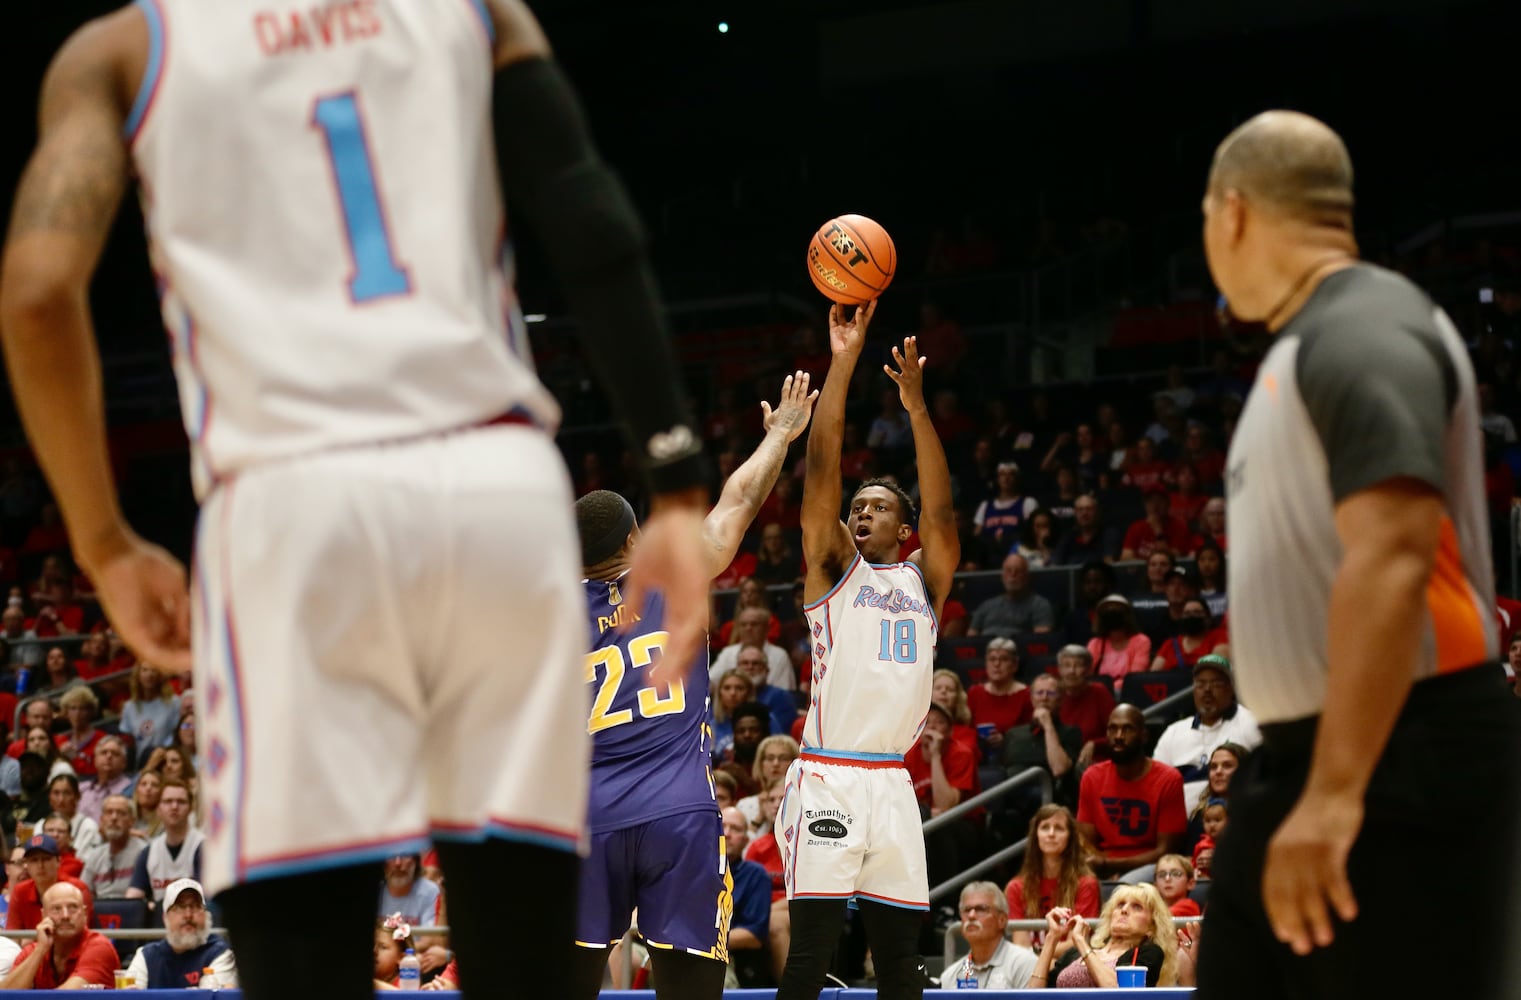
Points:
[67,199]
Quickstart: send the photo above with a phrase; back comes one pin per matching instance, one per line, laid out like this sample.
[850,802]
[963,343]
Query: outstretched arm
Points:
[940,546]
[64,208]
[750,484]
[826,544]
[552,172]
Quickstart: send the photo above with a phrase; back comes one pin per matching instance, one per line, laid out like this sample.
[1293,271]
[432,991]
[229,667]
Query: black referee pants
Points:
[1433,870]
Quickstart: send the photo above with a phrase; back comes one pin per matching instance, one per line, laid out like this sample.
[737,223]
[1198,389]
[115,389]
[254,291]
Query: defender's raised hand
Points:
[796,406]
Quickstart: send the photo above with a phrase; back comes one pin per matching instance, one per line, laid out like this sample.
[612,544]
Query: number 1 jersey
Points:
[874,639]
[651,745]
[320,190]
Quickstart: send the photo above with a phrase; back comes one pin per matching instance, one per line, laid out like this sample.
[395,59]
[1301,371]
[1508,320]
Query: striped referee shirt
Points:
[1369,382]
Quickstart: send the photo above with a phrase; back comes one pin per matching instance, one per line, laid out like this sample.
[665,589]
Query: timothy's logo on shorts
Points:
[842,816]
[827,828]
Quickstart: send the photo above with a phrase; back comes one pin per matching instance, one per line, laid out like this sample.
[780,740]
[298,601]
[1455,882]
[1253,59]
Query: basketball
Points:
[851,260]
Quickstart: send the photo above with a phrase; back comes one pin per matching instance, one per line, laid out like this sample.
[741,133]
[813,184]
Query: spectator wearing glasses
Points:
[1218,718]
[991,962]
[176,962]
[1175,880]
[772,758]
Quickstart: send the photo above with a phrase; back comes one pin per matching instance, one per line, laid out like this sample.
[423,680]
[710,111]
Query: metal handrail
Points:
[998,791]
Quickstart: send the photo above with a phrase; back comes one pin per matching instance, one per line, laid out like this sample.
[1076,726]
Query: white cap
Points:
[179,886]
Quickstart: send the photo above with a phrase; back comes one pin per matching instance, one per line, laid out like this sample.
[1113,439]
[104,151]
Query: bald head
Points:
[1289,161]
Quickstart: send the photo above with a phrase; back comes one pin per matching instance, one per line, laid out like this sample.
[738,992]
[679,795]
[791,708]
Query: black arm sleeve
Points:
[551,173]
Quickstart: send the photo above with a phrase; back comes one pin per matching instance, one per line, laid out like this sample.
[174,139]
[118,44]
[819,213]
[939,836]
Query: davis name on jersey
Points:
[651,746]
[874,639]
[358,289]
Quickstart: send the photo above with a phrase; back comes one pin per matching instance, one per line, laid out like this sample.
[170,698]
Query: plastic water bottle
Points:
[411,971]
[23,676]
[209,980]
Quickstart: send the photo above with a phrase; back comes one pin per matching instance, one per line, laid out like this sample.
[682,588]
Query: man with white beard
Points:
[176,962]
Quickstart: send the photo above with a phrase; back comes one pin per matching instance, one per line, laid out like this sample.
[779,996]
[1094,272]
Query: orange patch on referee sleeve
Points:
[1455,619]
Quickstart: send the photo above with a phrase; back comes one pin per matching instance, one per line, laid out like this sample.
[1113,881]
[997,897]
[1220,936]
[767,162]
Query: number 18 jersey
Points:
[320,190]
[651,745]
[874,640]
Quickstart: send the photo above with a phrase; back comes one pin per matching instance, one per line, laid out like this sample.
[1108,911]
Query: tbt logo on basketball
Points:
[852,260]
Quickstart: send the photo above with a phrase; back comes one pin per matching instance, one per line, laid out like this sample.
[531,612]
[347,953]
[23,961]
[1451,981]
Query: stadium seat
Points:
[122,914]
[1152,686]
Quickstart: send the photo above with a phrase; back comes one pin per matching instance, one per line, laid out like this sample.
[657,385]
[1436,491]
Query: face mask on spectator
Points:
[1193,625]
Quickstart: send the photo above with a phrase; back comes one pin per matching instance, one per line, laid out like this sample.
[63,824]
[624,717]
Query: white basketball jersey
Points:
[873,660]
[320,188]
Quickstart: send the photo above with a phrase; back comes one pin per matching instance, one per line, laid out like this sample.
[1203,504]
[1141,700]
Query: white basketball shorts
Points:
[388,645]
[849,827]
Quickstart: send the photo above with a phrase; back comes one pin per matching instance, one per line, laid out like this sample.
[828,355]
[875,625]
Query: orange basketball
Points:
[852,260]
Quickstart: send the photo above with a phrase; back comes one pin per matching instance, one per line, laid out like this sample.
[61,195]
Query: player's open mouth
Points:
[863,533]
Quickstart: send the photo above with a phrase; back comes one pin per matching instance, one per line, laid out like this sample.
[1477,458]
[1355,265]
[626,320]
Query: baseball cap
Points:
[1214,662]
[179,887]
[41,844]
[1114,599]
[1185,573]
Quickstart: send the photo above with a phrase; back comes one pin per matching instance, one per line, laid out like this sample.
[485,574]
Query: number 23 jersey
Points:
[651,745]
[873,640]
[320,190]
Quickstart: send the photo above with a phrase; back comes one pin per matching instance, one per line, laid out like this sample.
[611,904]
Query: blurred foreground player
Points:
[657,840]
[385,524]
[848,826]
[1361,597]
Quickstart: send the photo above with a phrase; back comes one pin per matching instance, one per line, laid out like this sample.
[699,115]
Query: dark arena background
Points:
[1039,165]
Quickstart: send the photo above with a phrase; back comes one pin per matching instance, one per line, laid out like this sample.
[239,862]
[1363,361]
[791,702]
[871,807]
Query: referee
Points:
[1362,594]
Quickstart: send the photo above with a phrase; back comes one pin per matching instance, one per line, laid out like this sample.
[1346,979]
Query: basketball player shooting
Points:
[385,526]
[849,822]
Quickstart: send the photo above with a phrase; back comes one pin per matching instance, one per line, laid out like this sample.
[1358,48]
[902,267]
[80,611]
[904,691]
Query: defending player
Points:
[385,523]
[657,840]
[849,824]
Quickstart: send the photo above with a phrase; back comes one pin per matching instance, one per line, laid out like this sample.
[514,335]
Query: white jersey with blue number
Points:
[320,188]
[873,660]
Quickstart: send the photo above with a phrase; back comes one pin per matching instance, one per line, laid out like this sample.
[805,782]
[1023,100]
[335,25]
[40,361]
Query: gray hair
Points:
[1000,901]
[1007,645]
[1077,652]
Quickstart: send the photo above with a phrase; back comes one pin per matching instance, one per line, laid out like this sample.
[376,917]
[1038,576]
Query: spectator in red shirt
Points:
[66,954]
[1206,460]
[952,425]
[947,692]
[1195,640]
[1054,865]
[57,614]
[1175,880]
[782,507]
[38,714]
[1002,700]
[763,850]
[1145,472]
[1156,528]
[1212,523]
[1085,703]
[49,535]
[40,861]
[857,461]
[1130,807]
[944,774]
[94,656]
[941,339]
[80,706]
[1185,503]
[57,827]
